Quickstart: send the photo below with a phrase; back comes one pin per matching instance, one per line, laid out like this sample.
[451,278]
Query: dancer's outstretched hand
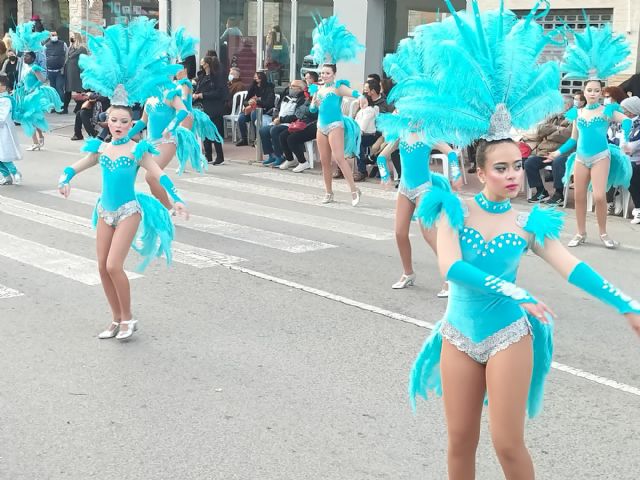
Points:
[539,310]
[634,321]
[181,209]
[64,190]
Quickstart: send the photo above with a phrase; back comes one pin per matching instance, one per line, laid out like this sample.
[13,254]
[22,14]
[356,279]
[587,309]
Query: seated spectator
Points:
[631,108]
[300,131]
[235,85]
[261,94]
[270,134]
[374,76]
[549,135]
[366,119]
[373,91]
[88,116]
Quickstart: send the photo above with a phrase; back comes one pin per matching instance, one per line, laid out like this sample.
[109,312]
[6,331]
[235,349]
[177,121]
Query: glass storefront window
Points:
[54,16]
[276,46]
[238,37]
[306,8]
[122,11]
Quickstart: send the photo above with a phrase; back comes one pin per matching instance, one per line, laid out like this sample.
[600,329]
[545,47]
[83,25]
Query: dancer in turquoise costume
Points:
[33,99]
[337,135]
[597,54]
[405,68]
[495,340]
[123,217]
[10,150]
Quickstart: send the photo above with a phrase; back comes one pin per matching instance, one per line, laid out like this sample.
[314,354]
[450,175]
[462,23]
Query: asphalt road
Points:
[274,347]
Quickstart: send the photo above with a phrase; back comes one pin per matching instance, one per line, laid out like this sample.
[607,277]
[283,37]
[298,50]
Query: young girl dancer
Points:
[495,338]
[596,55]
[124,218]
[9,145]
[337,134]
[33,98]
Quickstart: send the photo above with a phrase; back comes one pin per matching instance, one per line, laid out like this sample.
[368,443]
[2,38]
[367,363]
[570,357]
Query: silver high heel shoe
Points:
[444,293]
[132,326]
[110,332]
[608,241]
[577,240]
[34,147]
[405,281]
[355,197]
[328,198]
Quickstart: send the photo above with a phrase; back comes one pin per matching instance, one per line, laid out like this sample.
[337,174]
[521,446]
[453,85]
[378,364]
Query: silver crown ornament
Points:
[499,125]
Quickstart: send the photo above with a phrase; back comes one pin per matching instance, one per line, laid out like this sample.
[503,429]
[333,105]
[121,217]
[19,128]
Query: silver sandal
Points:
[608,242]
[577,240]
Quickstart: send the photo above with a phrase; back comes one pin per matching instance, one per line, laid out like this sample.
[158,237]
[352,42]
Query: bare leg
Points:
[324,149]
[599,175]
[508,381]
[404,212]
[463,389]
[104,236]
[581,178]
[336,140]
[120,246]
[167,152]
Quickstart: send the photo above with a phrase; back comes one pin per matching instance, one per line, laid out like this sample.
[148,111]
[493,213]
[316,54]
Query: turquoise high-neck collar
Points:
[121,141]
[593,106]
[492,207]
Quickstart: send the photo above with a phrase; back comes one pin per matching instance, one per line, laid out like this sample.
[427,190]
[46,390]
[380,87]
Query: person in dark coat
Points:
[73,82]
[210,95]
[261,94]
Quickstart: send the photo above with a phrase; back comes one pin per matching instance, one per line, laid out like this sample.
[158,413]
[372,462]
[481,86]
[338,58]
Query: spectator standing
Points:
[9,68]
[235,85]
[56,52]
[286,114]
[261,94]
[631,107]
[73,82]
[548,137]
[211,95]
[3,52]
[7,41]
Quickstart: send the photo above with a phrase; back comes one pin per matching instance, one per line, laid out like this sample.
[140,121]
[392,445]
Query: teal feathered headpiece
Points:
[129,63]
[472,76]
[332,42]
[597,54]
[24,39]
[183,45]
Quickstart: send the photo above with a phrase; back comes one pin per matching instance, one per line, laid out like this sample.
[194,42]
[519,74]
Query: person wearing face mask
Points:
[10,67]
[235,85]
[56,52]
[579,100]
[631,108]
[211,94]
[286,114]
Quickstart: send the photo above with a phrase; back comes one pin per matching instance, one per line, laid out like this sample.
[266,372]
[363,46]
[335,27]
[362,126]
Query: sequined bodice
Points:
[592,138]
[329,110]
[414,160]
[479,314]
[118,181]
[160,116]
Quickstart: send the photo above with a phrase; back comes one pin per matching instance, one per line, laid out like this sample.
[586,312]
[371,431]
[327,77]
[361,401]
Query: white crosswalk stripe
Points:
[51,260]
[6,292]
[316,182]
[244,233]
[182,253]
[290,196]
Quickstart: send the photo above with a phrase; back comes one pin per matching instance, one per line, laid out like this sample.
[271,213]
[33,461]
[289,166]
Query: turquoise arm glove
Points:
[454,166]
[382,167]
[463,273]
[67,174]
[313,108]
[136,129]
[626,125]
[168,185]
[586,278]
[355,93]
[567,146]
[180,116]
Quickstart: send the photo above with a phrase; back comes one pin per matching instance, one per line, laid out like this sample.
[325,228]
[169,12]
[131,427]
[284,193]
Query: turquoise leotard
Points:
[160,116]
[118,180]
[329,110]
[592,138]
[414,160]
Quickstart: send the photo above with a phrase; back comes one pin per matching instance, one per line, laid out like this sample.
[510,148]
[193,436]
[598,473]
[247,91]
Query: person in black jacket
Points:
[211,94]
[261,94]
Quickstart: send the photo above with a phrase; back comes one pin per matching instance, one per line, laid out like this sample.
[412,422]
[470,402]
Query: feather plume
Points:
[24,39]
[332,42]
[183,45]
[544,223]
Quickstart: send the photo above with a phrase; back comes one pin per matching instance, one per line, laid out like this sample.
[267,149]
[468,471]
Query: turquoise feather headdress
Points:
[597,53]
[332,42]
[473,76]
[24,39]
[183,45]
[129,63]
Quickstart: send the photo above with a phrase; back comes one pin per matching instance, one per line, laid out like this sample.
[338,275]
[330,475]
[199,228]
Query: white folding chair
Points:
[444,159]
[353,108]
[231,120]
[311,147]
